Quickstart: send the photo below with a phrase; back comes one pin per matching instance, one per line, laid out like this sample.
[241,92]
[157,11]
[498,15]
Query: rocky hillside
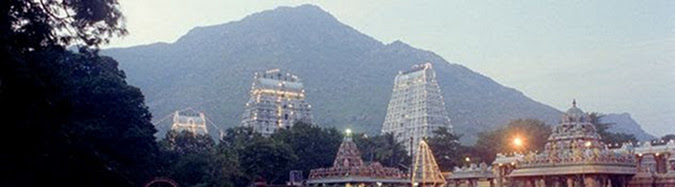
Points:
[348,75]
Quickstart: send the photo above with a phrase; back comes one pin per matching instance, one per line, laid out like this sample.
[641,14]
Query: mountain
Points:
[623,123]
[348,76]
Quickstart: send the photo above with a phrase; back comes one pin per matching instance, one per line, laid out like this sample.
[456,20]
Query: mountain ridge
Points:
[347,75]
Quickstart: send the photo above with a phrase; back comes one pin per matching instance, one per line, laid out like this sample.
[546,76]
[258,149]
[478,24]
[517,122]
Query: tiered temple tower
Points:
[425,170]
[277,101]
[416,107]
[574,156]
[189,120]
[349,169]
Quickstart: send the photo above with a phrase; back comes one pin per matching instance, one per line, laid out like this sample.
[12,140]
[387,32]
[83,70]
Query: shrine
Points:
[349,170]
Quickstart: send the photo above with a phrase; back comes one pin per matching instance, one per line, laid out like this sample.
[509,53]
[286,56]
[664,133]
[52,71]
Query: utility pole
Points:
[412,158]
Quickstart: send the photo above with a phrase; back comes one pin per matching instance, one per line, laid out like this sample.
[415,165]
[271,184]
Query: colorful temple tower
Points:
[349,169]
[277,101]
[416,107]
[574,156]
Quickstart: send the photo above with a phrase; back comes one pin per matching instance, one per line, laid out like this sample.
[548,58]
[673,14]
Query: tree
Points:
[447,149]
[668,137]
[315,147]
[82,124]
[192,160]
[258,156]
[29,26]
[608,137]
[532,133]
[384,149]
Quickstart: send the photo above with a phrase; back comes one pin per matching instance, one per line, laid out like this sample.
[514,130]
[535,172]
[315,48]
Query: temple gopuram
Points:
[426,172]
[349,170]
[574,156]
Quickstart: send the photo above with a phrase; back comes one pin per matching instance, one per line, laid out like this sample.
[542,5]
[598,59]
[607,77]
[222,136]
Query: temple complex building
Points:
[189,120]
[416,107]
[574,156]
[277,101]
[471,176]
[349,170]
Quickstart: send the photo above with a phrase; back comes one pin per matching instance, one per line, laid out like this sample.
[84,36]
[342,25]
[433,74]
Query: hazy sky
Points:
[612,56]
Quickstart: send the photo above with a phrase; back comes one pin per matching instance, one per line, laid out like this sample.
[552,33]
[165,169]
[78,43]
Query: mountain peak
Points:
[211,67]
[305,13]
[303,25]
[303,7]
[399,44]
[624,123]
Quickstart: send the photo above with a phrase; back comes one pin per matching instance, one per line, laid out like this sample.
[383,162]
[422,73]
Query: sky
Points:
[612,56]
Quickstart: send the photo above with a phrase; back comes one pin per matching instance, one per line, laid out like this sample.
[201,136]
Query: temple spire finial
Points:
[574,103]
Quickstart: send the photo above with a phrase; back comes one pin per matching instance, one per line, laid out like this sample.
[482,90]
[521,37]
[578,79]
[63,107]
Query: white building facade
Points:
[277,101]
[189,120]
[416,107]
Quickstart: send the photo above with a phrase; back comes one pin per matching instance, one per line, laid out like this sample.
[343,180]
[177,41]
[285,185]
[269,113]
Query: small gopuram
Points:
[350,170]
[425,169]
[574,156]
[189,120]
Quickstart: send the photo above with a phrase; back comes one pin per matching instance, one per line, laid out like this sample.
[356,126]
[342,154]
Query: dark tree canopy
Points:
[668,137]
[80,123]
[258,156]
[33,25]
[447,149]
[606,136]
[193,160]
[314,146]
[383,148]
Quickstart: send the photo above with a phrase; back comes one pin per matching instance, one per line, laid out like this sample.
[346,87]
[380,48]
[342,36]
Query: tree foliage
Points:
[668,137]
[33,25]
[258,156]
[192,160]
[82,124]
[447,149]
[384,149]
[608,137]
[533,134]
[314,146]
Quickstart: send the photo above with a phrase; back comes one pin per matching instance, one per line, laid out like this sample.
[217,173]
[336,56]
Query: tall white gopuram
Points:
[416,107]
[277,101]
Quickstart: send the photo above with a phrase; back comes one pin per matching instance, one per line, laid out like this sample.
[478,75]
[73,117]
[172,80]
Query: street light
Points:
[518,142]
[467,159]
[348,131]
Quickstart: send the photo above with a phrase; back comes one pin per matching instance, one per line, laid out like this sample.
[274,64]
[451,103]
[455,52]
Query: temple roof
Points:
[574,146]
[348,155]
[472,172]
[275,79]
[189,116]
[425,169]
[349,167]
